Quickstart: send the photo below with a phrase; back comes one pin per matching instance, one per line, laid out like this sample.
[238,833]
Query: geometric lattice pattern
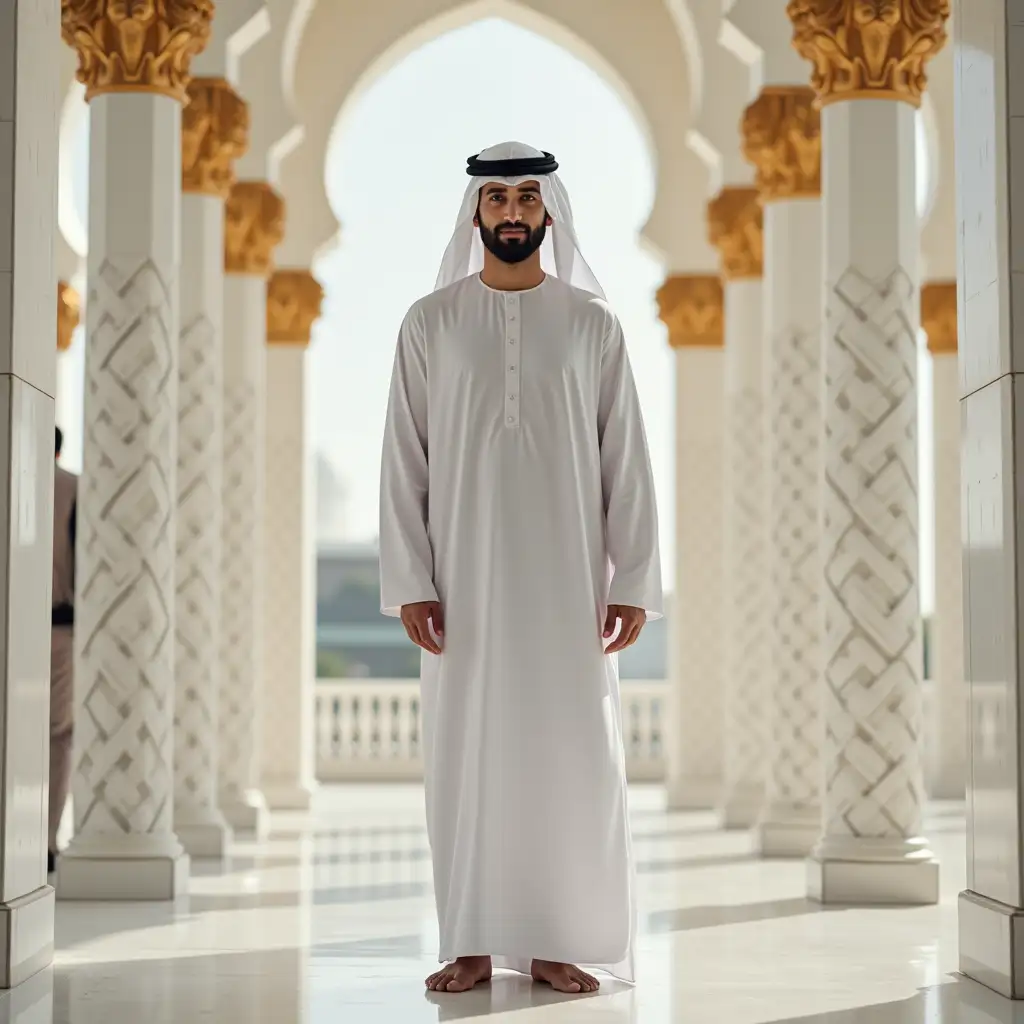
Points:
[197,582]
[241,553]
[873,711]
[748,656]
[287,754]
[124,631]
[795,386]
[697,670]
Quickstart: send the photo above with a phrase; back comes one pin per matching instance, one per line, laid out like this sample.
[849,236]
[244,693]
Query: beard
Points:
[513,250]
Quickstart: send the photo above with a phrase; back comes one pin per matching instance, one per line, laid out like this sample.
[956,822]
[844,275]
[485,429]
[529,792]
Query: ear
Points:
[548,220]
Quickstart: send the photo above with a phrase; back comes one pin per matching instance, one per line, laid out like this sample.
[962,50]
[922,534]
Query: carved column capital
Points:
[136,45]
[782,139]
[869,49]
[938,316]
[68,314]
[214,134]
[253,226]
[692,307]
[293,306]
[735,228]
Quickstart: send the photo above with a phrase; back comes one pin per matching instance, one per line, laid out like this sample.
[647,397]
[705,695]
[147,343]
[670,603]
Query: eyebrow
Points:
[497,190]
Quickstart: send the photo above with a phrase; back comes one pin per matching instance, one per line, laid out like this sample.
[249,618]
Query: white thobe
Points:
[516,489]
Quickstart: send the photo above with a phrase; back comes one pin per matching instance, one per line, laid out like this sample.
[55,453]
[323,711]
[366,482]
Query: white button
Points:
[512,367]
[512,318]
[511,419]
[511,398]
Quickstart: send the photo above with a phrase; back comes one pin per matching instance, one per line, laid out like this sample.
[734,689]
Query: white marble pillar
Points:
[124,845]
[735,227]
[872,849]
[948,721]
[29,50]
[691,307]
[214,132]
[254,224]
[782,138]
[989,167]
[289,616]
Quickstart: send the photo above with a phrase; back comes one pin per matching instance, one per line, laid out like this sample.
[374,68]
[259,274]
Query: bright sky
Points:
[395,175]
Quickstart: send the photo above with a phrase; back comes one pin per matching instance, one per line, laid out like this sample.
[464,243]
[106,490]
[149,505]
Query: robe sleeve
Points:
[406,558]
[631,515]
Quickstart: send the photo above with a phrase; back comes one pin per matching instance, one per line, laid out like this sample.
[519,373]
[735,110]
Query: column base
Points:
[871,872]
[789,830]
[693,793]
[203,838]
[743,807]
[26,936]
[247,815]
[992,943]
[286,796]
[84,876]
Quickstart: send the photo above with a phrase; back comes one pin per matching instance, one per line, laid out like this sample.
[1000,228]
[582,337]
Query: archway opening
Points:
[395,177]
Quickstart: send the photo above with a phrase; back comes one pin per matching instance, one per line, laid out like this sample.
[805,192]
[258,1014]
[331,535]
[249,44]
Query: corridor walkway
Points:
[330,920]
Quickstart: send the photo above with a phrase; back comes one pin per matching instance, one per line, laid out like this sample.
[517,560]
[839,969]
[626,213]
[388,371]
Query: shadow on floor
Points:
[684,919]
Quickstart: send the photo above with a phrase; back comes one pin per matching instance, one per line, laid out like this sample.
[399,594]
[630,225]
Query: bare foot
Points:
[563,977]
[462,975]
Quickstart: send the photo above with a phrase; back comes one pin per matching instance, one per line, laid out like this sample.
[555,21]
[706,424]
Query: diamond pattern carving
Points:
[125,560]
[873,711]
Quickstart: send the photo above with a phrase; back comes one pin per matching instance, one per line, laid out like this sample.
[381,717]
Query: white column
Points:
[691,307]
[872,849]
[124,845]
[783,139]
[734,221]
[213,134]
[949,694]
[289,619]
[254,225]
[989,167]
[28,221]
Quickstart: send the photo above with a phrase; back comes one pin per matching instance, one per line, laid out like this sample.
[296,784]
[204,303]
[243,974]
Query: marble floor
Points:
[331,920]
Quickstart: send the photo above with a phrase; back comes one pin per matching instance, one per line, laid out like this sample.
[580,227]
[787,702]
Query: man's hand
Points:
[416,619]
[633,620]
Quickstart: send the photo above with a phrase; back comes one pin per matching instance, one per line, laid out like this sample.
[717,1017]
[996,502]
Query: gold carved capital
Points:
[253,226]
[869,49]
[735,227]
[68,312]
[214,133]
[293,305]
[136,45]
[782,139]
[938,316]
[692,308]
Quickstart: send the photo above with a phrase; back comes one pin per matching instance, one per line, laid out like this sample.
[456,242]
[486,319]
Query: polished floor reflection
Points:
[331,920]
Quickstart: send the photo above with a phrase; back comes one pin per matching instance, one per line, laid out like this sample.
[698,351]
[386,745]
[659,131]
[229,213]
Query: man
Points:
[515,478]
[62,691]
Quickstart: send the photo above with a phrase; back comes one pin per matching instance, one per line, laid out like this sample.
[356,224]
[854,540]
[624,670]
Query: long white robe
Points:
[516,489]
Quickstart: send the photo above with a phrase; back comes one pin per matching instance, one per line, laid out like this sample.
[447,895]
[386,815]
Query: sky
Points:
[395,177]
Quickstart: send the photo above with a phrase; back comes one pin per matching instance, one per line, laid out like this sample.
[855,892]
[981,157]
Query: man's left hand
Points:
[633,620]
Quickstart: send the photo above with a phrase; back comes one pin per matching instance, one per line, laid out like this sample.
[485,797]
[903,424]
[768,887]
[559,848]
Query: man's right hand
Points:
[417,618]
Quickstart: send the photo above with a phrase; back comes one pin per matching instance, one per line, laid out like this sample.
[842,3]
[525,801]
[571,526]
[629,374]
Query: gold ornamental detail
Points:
[253,226]
[214,134]
[782,139]
[692,307]
[293,306]
[136,45]
[735,228]
[938,316]
[68,314]
[869,49]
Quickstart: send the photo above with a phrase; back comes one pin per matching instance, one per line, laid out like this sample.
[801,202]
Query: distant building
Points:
[354,640]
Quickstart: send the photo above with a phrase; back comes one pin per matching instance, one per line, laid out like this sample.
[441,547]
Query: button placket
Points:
[512,356]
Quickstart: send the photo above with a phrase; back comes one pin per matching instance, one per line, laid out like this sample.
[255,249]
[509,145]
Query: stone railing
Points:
[369,729]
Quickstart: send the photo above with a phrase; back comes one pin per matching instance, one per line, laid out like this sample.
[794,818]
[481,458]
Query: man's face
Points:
[512,220]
